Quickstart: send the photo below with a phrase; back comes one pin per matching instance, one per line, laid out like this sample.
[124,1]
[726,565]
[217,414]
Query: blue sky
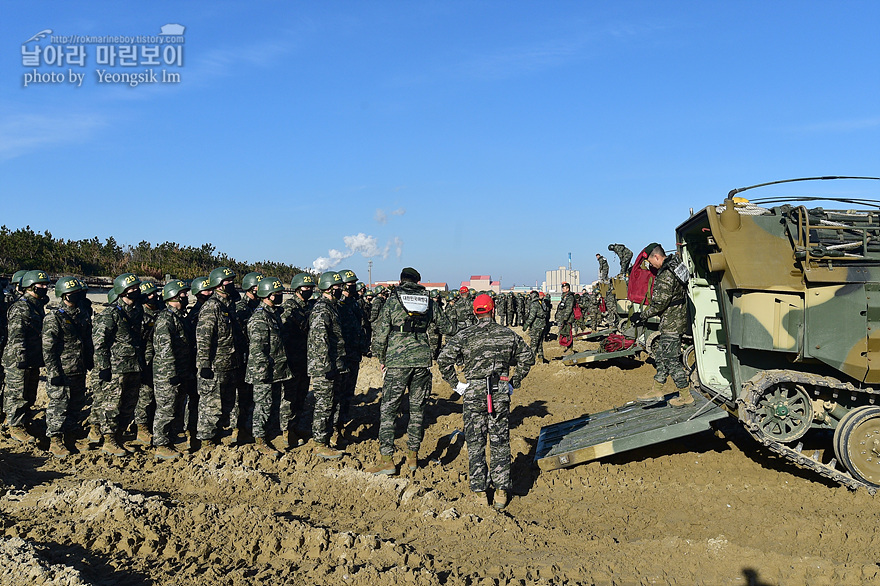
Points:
[456,137]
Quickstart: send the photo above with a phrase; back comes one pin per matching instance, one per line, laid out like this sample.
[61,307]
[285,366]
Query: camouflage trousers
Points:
[66,405]
[168,420]
[216,400]
[342,414]
[326,402]
[396,382]
[242,407]
[119,400]
[478,424]
[667,358]
[267,403]
[502,318]
[536,338]
[146,405]
[293,398]
[511,319]
[20,394]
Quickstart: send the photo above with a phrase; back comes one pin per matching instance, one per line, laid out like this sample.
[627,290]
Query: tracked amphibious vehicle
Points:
[784,306]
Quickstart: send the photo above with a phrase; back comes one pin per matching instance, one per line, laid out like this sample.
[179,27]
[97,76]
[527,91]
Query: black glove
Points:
[174,380]
[57,381]
[637,319]
[105,375]
[206,373]
[21,365]
[331,374]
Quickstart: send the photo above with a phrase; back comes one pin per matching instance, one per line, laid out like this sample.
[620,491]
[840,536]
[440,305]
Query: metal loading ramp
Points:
[619,430]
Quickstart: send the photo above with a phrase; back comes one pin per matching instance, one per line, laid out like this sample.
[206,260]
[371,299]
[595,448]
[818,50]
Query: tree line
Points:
[25,249]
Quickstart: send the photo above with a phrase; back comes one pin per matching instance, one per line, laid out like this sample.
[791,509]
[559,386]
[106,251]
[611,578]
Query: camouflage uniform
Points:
[267,364]
[565,314]
[401,345]
[668,302]
[174,381]
[295,320]
[548,306]
[501,308]
[593,309]
[462,315]
[487,351]
[511,310]
[220,347]
[118,341]
[536,323]
[611,307]
[242,403]
[326,364]
[356,346]
[68,353]
[624,254]
[22,358]
[146,399]
[603,267]
[521,308]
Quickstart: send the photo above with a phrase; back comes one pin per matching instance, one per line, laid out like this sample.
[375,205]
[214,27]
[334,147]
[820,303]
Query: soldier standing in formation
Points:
[23,355]
[240,418]
[68,354]
[401,345]
[296,326]
[535,324]
[667,302]
[146,405]
[220,355]
[350,319]
[267,367]
[174,380]
[487,352]
[118,357]
[501,308]
[326,361]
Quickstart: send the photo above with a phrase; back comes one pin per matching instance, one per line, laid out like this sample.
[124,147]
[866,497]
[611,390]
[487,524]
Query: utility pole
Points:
[370,271]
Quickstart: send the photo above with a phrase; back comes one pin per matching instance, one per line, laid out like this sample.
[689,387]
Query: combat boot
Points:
[292,439]
[94,435]
[166,453]
[684,398]
[327,453]
[385,466]
[265,447]
[144,438]
[412,460]
[20,434]
[111,447]
[242,437]
[655,395]
[480,498]
[57,447]
[501,499]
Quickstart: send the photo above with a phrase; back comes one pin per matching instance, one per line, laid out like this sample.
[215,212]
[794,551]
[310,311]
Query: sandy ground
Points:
[711,509]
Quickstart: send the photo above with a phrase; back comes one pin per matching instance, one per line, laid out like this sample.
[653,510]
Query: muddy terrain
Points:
[711,509]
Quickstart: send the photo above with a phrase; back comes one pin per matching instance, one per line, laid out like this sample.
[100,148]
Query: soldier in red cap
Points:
[487,352]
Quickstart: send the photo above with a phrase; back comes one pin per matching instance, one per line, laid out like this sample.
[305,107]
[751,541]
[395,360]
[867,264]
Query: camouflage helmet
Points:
[148,288]
[472,292]
[67,285]
[360,286]
[199,284]
[219,275]
[250,280]
[378,289]
[451,295]
[302,279]
[348,276]
[435,293]
[269,285]
[328,279]
[31,278]
[112,296]
[173,288]
[125,281]
[16,278]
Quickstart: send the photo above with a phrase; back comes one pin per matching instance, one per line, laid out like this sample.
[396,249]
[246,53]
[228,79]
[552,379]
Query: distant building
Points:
[555,279]
[482,283]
